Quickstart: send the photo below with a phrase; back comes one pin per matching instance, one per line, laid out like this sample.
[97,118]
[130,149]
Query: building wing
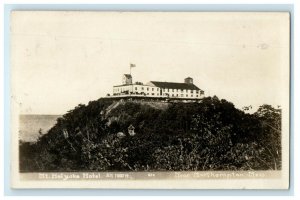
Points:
[171,85]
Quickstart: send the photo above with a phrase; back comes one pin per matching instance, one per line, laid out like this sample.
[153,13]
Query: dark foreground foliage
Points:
[211,135]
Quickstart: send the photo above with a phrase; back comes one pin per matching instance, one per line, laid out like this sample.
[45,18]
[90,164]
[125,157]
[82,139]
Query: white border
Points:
[296,72]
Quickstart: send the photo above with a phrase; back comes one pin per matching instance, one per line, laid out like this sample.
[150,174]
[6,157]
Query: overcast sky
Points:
[61,59]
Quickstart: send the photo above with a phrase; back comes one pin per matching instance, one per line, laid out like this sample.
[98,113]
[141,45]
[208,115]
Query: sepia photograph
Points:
[143,100]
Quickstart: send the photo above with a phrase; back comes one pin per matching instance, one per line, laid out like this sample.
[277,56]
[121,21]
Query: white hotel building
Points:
[185,90]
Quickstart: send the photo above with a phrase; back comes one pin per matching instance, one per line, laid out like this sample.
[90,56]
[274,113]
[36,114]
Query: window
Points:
[153,94]
[172,95]
[177,95]
[187,95]
[157,89]
[192,91]
[157,94]
[196,95]
[152,89]
[197,91]
[142,88]
[147,89]
[147,93]
[202,92]
[135,88]
[168,90]
[181,95]
[172,90]
[191,95]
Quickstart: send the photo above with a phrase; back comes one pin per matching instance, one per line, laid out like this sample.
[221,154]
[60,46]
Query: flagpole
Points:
[130,66]
[131,80]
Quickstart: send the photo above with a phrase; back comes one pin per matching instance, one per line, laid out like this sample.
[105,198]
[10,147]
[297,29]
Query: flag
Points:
[132,65]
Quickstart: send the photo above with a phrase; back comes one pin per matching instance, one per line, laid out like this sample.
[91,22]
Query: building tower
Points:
[188,80]
[127,79]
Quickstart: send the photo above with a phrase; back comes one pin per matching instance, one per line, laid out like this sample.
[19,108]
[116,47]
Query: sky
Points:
[62,59]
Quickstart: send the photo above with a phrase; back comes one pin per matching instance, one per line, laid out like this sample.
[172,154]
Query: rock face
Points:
[154,104]
[112,106]
[122,114]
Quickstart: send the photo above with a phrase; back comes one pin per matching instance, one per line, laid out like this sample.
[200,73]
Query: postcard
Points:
[150,100]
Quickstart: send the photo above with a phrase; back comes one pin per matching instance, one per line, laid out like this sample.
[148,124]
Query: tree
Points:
[270,137]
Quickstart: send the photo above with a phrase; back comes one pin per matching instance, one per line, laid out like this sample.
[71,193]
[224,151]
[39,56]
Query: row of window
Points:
[179,90]
[164,90]
[166,94]
[177,95]
[182,95]
[169,90]
[148,93]
[146,88]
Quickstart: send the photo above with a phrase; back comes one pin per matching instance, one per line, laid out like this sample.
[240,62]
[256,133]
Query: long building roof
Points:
[171,85]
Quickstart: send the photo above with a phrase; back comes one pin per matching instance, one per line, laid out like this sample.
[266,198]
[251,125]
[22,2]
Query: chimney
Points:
[188,80]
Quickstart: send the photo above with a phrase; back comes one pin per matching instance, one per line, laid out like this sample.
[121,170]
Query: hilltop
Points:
[208,135]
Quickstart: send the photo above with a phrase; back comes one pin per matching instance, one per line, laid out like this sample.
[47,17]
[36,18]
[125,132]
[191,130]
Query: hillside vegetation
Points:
[210,135]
